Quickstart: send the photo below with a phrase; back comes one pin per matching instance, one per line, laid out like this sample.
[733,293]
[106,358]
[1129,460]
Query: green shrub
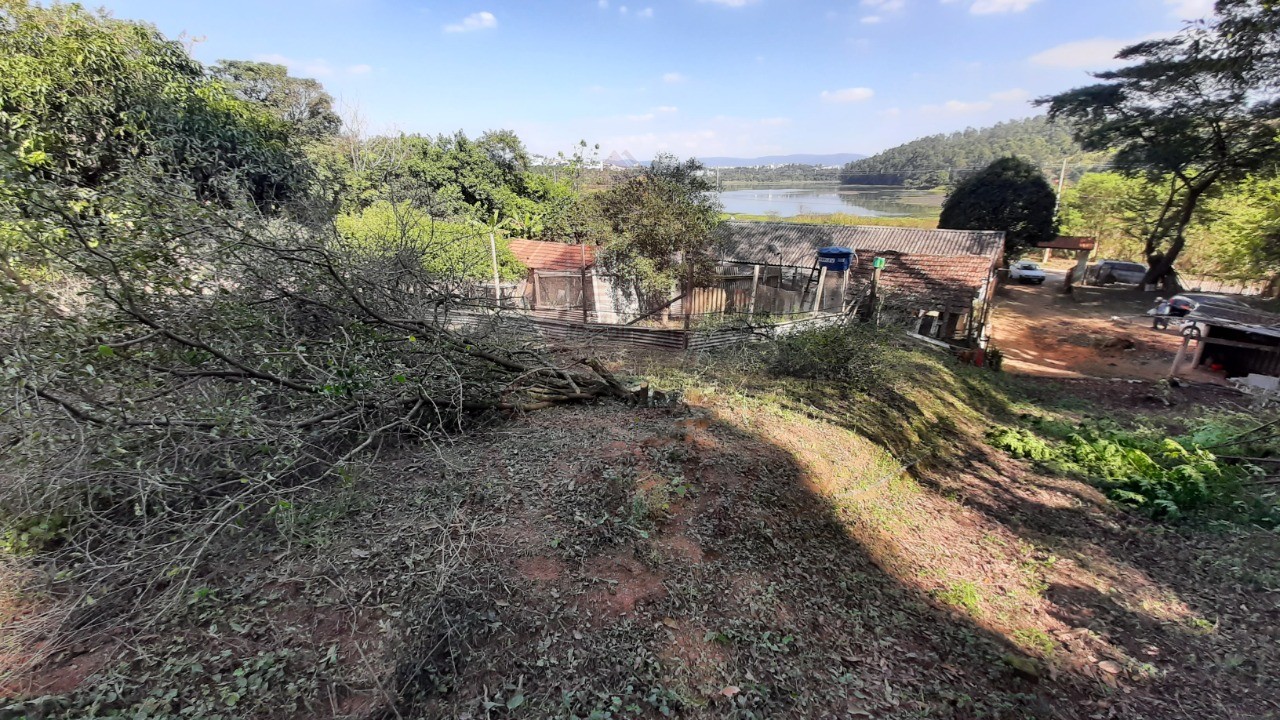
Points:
[1020,443]
[854,352]
[1140,469]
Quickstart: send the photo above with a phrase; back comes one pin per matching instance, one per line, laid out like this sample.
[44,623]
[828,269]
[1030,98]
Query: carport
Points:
[1083,247]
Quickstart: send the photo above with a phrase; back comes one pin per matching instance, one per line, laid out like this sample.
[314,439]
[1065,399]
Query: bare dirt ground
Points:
[1096,332]
[765,549]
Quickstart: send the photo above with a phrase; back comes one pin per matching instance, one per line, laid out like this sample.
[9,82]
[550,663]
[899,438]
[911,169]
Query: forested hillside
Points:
[937,159]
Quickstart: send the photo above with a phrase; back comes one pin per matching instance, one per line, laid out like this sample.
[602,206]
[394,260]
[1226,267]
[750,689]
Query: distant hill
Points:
[938,159]
[831,159]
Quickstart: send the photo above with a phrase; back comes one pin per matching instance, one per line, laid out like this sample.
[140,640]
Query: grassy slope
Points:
[758,554]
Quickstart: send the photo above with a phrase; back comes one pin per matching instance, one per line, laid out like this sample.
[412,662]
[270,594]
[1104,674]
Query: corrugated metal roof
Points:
[542,255]
[796,244]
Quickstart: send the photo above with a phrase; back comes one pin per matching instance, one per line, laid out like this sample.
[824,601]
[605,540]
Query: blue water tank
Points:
[836,259]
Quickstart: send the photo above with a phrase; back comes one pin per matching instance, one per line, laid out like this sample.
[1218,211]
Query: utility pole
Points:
[493,253]
[1062,179]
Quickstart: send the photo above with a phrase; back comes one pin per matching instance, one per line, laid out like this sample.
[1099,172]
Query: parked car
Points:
[1115,271]
[1187,303]
[1026,271]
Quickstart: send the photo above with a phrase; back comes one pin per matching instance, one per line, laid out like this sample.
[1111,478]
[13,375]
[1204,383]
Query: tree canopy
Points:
[1199,109]
[82,95]
[661,218]
[301,102]
[1010,195]
[946,159]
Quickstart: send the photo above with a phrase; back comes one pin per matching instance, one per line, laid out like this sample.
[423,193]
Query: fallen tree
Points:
[176,370]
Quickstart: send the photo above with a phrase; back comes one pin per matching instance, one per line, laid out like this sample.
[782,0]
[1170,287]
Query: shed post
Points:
[817,297]
[755,284]
[844,288]
[535,289]
[1182,354]
[876,266]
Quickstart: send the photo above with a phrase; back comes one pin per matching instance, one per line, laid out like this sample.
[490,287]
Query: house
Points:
[556,274]
[946,278]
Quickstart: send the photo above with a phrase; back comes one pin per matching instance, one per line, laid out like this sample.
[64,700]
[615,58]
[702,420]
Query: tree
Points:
[939,160]
[1199,109]
[301,102]
[1010,195]
[86,99]
[1115,209]
[661,219]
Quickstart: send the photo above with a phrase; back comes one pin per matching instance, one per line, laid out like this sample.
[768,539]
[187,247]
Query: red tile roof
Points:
[948,283]
[1069,243]
[542,255]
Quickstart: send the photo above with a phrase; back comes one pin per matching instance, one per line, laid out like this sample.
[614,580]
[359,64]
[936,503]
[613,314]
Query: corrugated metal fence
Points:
[553,325]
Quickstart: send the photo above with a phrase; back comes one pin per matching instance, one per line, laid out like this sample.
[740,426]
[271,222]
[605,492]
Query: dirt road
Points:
[1100,332]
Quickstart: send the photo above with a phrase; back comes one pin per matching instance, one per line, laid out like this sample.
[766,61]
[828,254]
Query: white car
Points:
[1026,271]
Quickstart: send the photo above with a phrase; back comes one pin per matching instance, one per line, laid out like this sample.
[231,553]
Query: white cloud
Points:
[622,10]
[475,21]
[995,7]
[1090,54]
[892,112]
[645,13]
[847,95]
[1191,9]
[317,68]
[653,113]
[731,3]
[881,8]
[673,78]
[602,4]
[1011,96]
[958,107]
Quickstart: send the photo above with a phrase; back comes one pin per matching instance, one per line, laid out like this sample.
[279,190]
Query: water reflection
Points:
[789,202]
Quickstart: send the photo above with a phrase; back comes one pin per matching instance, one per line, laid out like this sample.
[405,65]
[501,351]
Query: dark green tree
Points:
[661,218]
[1011,195]
[1199,109]
[301,102]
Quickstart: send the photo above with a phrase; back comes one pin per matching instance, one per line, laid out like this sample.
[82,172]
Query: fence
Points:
[1226,286]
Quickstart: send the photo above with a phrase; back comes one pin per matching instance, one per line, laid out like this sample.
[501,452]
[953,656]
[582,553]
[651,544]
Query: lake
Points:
[868,202]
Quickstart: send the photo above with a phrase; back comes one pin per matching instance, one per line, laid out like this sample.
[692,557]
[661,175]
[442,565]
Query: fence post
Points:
[585,316]
[817,296]
[535,289]
[844,289]
[755,284]
[688,298]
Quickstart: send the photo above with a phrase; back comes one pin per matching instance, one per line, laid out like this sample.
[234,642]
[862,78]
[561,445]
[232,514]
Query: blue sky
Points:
[693,77]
